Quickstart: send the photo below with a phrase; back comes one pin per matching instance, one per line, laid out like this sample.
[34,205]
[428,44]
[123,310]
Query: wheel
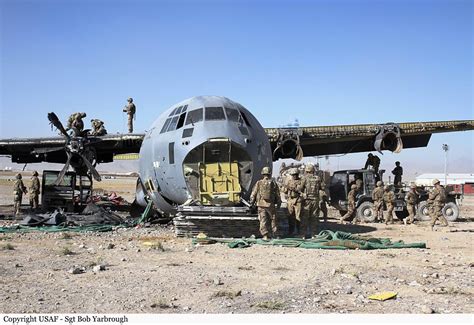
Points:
[451,211]
[423,213]
[365,212]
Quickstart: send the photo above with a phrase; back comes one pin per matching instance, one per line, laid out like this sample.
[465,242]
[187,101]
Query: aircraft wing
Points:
[301,142]
[33,150]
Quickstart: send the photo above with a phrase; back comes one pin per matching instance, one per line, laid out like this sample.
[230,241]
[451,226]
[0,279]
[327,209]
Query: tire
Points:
[365,212]
[422,213]
[451,211]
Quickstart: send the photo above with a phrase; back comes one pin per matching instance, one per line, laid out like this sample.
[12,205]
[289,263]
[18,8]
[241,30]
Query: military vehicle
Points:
[342,180]
[71,194]
[205,153]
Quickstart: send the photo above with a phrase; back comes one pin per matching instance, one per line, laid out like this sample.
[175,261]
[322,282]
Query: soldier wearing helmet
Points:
[98,128]
[266,195]
[389,200]
[34,191]
[18,190]
[130,109]
[310,187]
[437,198]
[76,123]
[411,199]
[377,198]
[372,161]
[294,201]
[351,205]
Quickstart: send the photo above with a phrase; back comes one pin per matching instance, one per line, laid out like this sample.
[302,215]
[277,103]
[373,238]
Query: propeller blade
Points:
[64,170]
[92,169]
[54,121]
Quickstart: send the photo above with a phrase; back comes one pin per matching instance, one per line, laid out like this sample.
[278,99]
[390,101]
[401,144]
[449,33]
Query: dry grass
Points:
[226,294]
[271,305]
[66,251]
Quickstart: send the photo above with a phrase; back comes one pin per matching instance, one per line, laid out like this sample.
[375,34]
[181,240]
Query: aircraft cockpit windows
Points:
[194,116]
[214,113]
[245,119]
[184,108]
[173,112]
[165,126]
[178,110]
[181,121]
[232,114]
[173,123]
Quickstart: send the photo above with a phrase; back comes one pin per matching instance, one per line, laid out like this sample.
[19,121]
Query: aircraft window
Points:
[165,127]
[245,119]
[188,133]
[232,114]
[171,152]
[173,112]
[214,113]
[184,108]
[194,116]
[173,123]
[181,121]
[178,110]
[243,130]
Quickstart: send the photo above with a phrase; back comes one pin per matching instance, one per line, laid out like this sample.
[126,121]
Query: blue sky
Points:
[323,62]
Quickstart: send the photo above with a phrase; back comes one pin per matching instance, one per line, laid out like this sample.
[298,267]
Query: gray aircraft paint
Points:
[169,179]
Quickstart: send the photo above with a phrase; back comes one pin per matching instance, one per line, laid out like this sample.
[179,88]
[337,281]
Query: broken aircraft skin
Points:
[210,129]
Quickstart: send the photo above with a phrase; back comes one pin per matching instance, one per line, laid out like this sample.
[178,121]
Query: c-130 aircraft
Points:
[210,150]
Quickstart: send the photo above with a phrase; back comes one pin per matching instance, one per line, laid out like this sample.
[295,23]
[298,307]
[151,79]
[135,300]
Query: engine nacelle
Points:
[288,145]
[388,138]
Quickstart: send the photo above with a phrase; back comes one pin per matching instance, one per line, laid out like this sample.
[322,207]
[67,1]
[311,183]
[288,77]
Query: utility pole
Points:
[445,148]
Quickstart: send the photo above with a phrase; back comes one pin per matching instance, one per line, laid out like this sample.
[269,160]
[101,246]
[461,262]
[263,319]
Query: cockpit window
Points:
[245,119]
[214,113]
[184,108]
[232,114]
[173,123]
[179,110]
[194,116]
[165,126]
[173,112]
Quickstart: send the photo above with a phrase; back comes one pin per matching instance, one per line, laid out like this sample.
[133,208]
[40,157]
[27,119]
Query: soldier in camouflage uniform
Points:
[374,161]
[294,201]
[98,127]
[438,198]
[351,208]
[389,199]
[323,200]
[266,195]
[75,123]
[397,172]
[18,190]
[130,109]
[35,189]
[377,198]
[310,188]
[411,200]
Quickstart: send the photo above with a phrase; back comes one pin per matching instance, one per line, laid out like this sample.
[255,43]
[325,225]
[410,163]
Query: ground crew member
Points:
[294,201]
[398,172]
[351,208]
[98,127]
[310,190]
[438,198]
[377,198]
[130,109]
[389,199]
[358,183]
[18,190]
[266,196]
[374,161]
[35,189]
[323,200]
[75,123]
[411,199]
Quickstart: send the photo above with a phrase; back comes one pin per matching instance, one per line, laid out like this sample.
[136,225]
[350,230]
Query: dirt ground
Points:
[149,270]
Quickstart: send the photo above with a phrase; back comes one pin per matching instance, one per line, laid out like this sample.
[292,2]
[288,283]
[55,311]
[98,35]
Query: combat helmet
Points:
[413,185]
[18,176]
[309,168]
[435,181]
[294,171]
[353,187]
[130,99]
[35,173]
[386,187]
[266,171]
[379,183]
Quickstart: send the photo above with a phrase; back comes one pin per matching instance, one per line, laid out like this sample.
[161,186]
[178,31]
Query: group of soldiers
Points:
[306,197]
[76,124]
[19,189]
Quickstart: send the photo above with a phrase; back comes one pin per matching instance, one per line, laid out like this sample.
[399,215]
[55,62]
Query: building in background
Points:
[462,182]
